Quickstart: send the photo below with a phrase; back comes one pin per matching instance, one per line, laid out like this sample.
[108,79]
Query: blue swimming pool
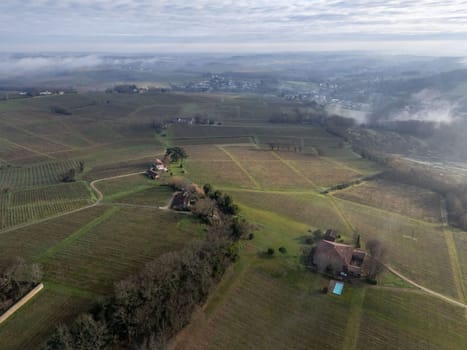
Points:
[338,288]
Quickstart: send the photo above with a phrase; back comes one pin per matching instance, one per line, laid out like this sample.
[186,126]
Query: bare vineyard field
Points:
[200,131]
[157,196]
[312,210]
[29,242]
[26,205]
[15,154]
[306,318]
[58,193]
[397,320]
[116,169]
[219,173]
[205,153]
[117,243]
[276,175]
[218,140]
[20,177]
[28,328]
[325,173]
[119,153]
[119,187]
[460,239]
[248,153]
[403,199]
[41,144]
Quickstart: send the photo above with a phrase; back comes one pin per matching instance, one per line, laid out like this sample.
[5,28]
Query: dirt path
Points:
[169,204]
[429,291]
[100,195]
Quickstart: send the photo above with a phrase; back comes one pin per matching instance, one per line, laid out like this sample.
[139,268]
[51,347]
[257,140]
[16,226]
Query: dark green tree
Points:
[176,154]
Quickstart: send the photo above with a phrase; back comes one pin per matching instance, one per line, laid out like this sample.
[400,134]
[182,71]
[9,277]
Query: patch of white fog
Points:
[359,116]
[427,105]
[15,66]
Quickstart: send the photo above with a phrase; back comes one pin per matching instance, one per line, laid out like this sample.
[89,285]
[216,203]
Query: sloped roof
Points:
[344,251]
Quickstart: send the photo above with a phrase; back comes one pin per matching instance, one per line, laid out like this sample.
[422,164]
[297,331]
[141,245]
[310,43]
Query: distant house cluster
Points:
[156,168]
[338,259]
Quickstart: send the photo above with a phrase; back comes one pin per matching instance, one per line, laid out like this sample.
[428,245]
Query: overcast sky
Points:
[414,27]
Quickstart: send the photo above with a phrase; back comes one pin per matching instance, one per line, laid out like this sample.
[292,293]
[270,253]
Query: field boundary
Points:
[252,179]
[27,148]
[385,211]
[21,302]
[77,234]
[294,169]
[352,329]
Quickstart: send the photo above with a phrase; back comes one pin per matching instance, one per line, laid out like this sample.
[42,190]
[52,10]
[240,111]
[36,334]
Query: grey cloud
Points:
[226,21]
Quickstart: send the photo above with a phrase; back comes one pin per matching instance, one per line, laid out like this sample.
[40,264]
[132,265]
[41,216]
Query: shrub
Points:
[270,252]
[282,250]
[251,236]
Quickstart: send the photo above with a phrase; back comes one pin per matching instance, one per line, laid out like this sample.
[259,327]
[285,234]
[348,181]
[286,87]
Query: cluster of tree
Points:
[456,205]
[158,126]
[123,89]
[345,185]
[70,175]
[192,190]
[146,310]
[224,201]
[337,125]
[60,110]
[271,251]
[309,114]
[374,263]
[176,154]
[218,209]
[204,120]
[284,145]
[16,279]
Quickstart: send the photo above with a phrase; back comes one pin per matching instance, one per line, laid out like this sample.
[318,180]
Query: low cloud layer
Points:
[30,65]
[179,25]
[12,66]
[426,105]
